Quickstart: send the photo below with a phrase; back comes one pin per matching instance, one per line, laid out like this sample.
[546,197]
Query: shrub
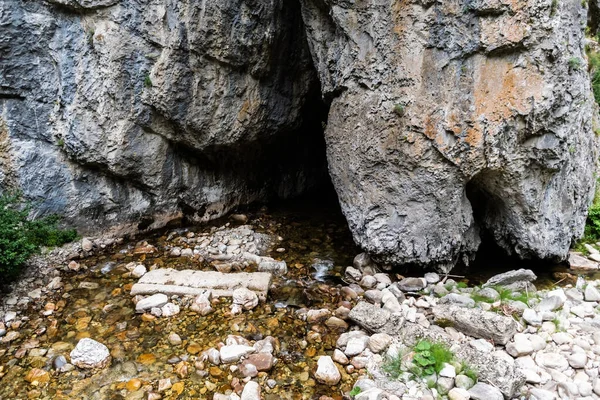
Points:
[575,63]
[21,237]
[147,81]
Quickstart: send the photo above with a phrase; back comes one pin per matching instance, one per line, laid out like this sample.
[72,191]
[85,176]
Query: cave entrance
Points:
[485,193]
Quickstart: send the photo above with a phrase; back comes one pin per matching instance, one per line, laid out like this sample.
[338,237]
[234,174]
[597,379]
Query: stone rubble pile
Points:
[522,342]
[227,249]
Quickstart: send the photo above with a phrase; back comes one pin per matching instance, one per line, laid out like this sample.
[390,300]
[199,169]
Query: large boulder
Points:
[446,120]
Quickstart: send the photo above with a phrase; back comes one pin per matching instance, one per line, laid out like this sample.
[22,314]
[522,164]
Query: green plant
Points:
[481,299]
[355,391]
[461,285]
[429,358]
[147,81]
[467,370]
[553,7]
[400,109]
[90,37]
[508,294]
[20,237]
[575,63]
[393,365]
[60,142]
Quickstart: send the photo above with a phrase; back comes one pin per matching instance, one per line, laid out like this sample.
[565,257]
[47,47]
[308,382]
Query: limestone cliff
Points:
[129,113]
[447,119]
[453,117]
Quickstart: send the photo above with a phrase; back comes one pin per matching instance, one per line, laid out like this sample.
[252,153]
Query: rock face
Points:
[447,119]
[126,113]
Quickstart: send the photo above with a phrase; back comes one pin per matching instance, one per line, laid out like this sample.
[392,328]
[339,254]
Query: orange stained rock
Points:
[37,376]
[146,359]
[178,387]
[133,385]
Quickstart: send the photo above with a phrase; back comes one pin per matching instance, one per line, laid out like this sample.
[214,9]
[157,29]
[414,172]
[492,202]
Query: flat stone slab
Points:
[477,323]
[193,283]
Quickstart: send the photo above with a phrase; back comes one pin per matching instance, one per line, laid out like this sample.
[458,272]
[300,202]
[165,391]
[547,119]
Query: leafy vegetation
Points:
[594,68]
[147,81]
[575,63]
[400,109]
[428,358]
[20,237]
[592,226]
[355,391]
[508,294]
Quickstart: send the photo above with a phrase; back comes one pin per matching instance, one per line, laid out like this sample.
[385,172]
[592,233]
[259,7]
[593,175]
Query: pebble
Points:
[169,310]
[591,293]
[327,372]
[251,391]
[174,339]
[233,353]
[90,354]
[154,301]
[483,391]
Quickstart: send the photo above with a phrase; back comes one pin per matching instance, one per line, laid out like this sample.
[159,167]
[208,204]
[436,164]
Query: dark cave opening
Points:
[485,195]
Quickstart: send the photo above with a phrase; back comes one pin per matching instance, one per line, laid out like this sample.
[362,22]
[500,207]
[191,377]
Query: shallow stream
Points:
[316,245]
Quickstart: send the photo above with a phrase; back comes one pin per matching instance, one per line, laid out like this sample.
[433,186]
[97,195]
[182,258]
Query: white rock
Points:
[139,271]
[370,394]
[379,342]
[86,244]
[90,354]
[9,316]
[541,394]
[551,303]
[448,371]
[562,338]
[531,376]
[356,346]
[577,360]
[532,317]
[432,277]
[596,387]
[327,372]
[537,342]
[585,388]
[353,273]
[245,297]
[483,391]
[552,360]
[156,300]
[170,309]
[591,293]
[339,357]
[234,352]
[458,394]
[187,253]
[463,382]
[520,347]
[251,391]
